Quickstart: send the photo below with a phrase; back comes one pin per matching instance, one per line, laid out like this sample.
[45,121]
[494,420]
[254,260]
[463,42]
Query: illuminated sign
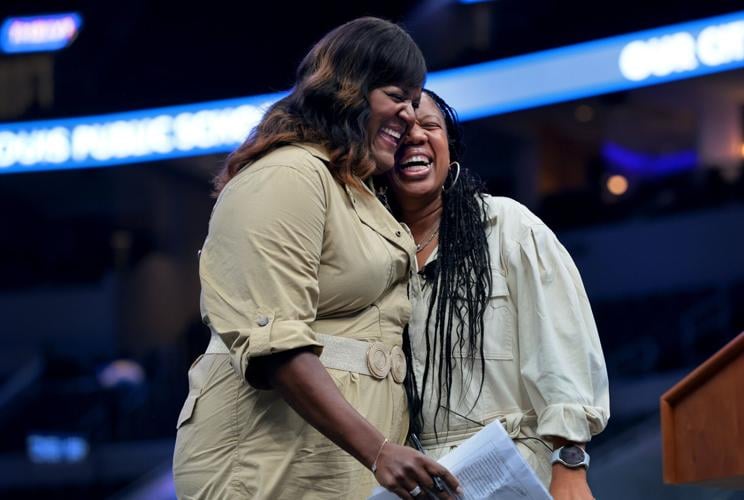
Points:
[53,449]
[39,33]
[609,65]
[613,64]
[683,52]
[135,136]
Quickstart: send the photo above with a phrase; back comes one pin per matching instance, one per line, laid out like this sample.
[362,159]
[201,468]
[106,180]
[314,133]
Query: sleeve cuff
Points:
[573,422]
[269,336]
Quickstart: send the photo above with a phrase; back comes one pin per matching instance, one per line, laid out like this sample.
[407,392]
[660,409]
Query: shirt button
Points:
[397,233]
[262,321]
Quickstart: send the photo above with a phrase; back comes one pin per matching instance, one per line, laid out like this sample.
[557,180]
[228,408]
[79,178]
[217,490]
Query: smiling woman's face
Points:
[423,160]
[391,114]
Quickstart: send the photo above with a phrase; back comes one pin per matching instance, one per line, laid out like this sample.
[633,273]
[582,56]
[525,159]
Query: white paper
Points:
[488,466]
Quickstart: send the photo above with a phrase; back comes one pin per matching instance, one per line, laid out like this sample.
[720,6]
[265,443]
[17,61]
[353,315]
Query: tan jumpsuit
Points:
[290,254]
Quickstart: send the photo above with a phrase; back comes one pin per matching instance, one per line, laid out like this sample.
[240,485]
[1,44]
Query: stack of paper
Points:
[488,466]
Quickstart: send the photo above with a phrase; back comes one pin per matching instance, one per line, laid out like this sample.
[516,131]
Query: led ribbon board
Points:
[39,33]
[612,64]
[136,136]
[609,65]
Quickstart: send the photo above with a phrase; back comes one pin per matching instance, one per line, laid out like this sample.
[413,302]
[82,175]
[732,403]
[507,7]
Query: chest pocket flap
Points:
[499,320]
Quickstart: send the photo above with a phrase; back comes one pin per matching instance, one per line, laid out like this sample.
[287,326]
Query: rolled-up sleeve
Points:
[259,264]
[561,360]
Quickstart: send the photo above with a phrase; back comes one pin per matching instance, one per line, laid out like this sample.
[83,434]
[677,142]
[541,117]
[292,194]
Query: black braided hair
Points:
[461,283]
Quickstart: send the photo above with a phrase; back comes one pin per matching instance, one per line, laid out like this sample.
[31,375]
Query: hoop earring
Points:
[457,176]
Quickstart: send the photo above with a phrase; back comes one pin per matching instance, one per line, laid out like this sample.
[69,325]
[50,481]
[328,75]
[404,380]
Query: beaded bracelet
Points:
[374,464]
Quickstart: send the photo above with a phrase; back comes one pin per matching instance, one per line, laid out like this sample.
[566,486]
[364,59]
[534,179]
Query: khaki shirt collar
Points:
[374,215]
[369,209]
[316,150]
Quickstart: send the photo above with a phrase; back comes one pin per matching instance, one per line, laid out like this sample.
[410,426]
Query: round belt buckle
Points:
[378,360]
[398,364]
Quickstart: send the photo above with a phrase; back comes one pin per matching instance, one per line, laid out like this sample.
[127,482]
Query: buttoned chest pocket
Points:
[499,321]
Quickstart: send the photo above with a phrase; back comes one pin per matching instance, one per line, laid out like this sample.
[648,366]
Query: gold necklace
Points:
[424,244]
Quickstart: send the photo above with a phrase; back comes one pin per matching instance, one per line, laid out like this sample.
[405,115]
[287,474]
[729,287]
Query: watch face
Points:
[572,455]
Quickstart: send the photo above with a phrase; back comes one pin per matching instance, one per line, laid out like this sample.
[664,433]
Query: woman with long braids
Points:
[501,327]
[304,277]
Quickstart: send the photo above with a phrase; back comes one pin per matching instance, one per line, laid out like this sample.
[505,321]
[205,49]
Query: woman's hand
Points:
[400,469]
[569,484]
[303,382]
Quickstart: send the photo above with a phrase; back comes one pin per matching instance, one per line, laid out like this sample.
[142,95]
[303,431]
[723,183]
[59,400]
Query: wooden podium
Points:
[702,422]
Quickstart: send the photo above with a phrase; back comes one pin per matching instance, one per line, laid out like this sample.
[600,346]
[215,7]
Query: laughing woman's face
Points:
[422,162]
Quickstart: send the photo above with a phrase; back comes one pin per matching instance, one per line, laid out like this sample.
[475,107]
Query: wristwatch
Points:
[571,456]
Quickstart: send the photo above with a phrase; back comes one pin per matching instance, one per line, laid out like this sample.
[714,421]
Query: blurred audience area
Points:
[99,295]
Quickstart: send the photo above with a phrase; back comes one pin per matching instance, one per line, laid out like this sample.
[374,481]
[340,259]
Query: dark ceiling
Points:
[142,53]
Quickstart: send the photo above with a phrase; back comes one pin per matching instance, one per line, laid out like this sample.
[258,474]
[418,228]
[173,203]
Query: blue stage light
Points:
[55,449]
[645,164]
[39,33]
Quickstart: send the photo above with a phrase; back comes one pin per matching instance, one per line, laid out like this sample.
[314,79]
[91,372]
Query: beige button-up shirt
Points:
[290,254]
[545,373]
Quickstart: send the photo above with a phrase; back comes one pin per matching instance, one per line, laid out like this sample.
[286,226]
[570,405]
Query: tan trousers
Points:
[236,442]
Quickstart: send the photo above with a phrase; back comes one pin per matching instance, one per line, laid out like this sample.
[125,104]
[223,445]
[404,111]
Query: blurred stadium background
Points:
[630,147]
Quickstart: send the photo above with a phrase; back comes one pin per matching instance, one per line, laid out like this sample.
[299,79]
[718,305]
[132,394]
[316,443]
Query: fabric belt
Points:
[374,359]
[517,425]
